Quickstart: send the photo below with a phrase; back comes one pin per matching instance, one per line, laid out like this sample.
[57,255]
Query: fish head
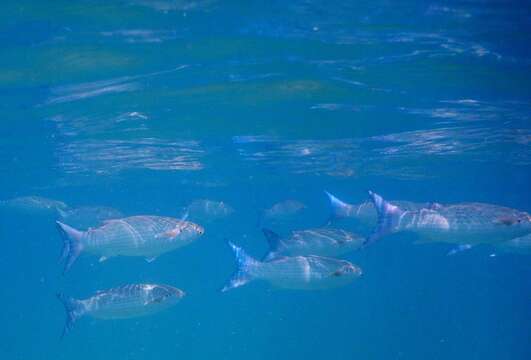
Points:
[165,294]
[515,220]
[189,230]
[347,270]
[350,240]
[197,229]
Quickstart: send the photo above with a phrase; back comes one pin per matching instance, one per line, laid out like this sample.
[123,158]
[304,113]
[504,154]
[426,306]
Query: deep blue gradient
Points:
[144,106]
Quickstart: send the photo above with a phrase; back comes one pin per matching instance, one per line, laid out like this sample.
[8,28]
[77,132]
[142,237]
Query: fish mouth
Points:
[199,229]
[171,291]
[179,293]
[352,269]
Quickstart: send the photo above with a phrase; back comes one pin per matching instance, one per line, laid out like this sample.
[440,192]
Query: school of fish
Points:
[303,259]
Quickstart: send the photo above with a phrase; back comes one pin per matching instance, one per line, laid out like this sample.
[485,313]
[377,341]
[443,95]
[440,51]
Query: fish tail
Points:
[388,217]
[338,209]
[74,310]
[72,245]
[273,239]
[241,276]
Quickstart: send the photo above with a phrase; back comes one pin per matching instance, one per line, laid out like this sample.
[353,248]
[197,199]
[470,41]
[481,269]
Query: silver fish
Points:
[321,241]
[123,302]
[85,217]
[145,236]
[208,210]
[283,210]
[296,272]
[464,223]
[33,204]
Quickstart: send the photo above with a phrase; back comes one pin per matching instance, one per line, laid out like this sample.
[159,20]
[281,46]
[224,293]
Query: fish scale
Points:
[293,272]
[123,302]
[146,236]
[319,241]
[464,223]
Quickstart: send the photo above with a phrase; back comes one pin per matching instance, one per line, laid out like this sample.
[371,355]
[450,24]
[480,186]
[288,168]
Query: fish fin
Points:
[273,239]
[459,248]
[72,246]
[151,259]
[74,310]
[338,209]
[103,258]
[388,217]
[241,276]
[185,216]
[170,234]
[270,256]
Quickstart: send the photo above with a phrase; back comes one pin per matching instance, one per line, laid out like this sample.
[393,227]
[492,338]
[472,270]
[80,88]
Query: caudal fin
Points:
[273,239]
[72,245]
[388,217]
[241,276]
[74,310]
[338,209]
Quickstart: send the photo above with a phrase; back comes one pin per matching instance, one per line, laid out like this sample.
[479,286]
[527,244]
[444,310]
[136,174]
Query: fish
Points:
[293,272]
[319,241]
[461,223]
[208,210]
[85,217]
[283,210]
[124,302]
[33,205]
[365,213]
[144,236]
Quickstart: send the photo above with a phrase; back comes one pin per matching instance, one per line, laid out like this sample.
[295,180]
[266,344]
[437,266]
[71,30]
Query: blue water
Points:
[144,106]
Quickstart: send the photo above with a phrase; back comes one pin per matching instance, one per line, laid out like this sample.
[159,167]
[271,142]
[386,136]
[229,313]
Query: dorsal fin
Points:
[273,239]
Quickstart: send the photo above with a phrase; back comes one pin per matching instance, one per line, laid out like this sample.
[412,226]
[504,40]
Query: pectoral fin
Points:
[170,234]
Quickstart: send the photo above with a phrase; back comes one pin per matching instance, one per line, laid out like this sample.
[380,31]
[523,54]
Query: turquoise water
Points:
[144,106]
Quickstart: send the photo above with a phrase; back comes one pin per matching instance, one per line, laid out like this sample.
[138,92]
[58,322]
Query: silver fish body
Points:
[469,223]
[140,236]
[144,236]
[319,241]
[293,272]
[472,222]
[306,272]
[123,302]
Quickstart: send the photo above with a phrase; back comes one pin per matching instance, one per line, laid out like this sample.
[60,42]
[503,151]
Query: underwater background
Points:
[145,106]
